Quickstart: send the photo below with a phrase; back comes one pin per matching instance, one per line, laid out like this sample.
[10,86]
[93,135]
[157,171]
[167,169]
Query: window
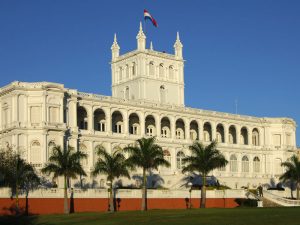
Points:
[120,74]
[255,137]
[101,183]
[193,135]
[127,93]
[51,145]
[150,131]
[162,94]
[179,159]
[245,164]
[134,129]
[127,71]
[151,69]
[133,69]
[118,127]
[101,126]
[161,70]
[83,149]
[206,136]
[179,133]
[35,114]
[278,168]
[233,163]
[35,153]
[167,156]
[53,114]
[165,132]
[171,73]
[256,165]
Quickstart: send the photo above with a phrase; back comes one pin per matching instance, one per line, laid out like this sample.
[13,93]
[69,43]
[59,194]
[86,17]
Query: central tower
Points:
[146,74]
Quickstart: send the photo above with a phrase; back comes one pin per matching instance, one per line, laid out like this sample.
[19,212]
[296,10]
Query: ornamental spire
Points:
[178,47]
[115,48]
[141,39]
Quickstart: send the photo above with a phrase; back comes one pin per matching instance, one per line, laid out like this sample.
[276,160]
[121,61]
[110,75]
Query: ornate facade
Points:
[147,100]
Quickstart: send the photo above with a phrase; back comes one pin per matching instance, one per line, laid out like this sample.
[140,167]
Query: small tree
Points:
[203,160]
[66,163]
[292,172]
[146,155]
[113,166]
[18,175]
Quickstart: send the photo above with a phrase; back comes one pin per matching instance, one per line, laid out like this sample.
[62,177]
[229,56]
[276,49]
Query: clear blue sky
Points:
[247,50]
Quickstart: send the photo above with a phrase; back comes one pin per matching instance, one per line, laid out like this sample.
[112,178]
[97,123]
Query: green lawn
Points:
[244,216]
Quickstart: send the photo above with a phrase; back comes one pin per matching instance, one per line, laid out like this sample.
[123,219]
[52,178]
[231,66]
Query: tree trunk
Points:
[111,198]
[144,192]
[17,199]
[26,204]
[298,189]
[66,208]
[203,192]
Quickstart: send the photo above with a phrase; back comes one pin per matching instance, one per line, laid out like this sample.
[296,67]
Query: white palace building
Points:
[147,100]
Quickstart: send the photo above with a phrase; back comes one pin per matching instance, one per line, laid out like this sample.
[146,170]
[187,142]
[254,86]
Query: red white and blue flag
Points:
[147,16]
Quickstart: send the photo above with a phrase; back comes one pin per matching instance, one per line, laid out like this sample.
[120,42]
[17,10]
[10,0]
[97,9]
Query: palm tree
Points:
[292,172]
[203,160]
[113,166]
[146,155]
[66,163]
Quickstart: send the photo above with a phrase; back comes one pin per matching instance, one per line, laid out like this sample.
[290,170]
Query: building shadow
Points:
[154,181]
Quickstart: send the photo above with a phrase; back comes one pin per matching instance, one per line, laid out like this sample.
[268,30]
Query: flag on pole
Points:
[147,16]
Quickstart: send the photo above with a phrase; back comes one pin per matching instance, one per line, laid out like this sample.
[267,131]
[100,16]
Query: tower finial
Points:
[151,46]
[141,39]
[115,48]
[115,38]
[141,27]
[177,38]
[178,47]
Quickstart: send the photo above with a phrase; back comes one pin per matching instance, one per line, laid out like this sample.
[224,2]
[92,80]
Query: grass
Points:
[241,216]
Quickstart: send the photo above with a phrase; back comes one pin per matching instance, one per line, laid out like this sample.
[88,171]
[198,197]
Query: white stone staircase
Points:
[281,201]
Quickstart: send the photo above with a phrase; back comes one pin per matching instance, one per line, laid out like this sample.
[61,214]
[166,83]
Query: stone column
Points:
[142,124]
[125,122]
[187,129]
[200,130]
[108,118]
[213,131]
[173,127]
[158,125]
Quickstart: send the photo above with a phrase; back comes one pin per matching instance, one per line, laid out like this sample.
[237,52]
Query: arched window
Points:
[167,156]
[117,122]
[233,164]
[220,133]
[82,119]
[256,165]
[35,153]
[180,127]
[99,120]
[165,128]
[83,148]
[127,71]
[161,70]
[207,132]
[150,126]
[134,124]
[232,135]
[51,145]
[127,93]
[194,130]
[151,69]
[162,94]
[102,183]
[171,73]
[245,164]
[179,159]
[244,136]
[255,137]
[133,69]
